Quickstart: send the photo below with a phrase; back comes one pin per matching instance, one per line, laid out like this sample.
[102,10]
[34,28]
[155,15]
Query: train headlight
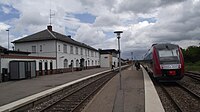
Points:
[179,66]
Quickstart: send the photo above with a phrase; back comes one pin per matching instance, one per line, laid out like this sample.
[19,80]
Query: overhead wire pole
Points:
[119,60]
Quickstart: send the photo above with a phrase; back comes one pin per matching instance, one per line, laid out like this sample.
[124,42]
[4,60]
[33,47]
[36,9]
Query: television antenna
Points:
[51,16]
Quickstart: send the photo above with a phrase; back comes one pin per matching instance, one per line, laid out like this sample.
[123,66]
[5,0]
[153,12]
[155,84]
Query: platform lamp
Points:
[8,39]
[119,59]
[132,59]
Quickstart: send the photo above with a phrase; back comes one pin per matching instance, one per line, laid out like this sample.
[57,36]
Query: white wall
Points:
[105,60]
[62,56]
[48,50]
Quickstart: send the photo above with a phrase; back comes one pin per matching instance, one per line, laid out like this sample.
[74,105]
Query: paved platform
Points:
[15,90]
[137,94]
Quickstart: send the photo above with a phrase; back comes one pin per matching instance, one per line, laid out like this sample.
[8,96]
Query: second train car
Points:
[165,62]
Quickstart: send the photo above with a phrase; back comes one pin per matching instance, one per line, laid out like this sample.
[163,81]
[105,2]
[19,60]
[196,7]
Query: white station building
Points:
[69,54]
[48,52]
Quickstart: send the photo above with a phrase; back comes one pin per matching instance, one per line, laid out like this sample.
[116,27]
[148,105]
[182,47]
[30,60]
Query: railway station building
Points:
[70,54]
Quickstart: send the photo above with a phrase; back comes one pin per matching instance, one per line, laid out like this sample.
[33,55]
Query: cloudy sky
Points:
[93,22]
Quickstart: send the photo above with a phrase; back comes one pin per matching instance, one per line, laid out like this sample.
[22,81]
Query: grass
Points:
[192,66]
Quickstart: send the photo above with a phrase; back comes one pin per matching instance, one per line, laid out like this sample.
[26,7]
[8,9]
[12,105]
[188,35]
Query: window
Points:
[81,51]
[76,50]
[58,47]
[97,54]
[86,52]
[40,48]
[92,53]
[71,50]
[64,48]
[92,62]
[65,63]
[33,49]
[168,53]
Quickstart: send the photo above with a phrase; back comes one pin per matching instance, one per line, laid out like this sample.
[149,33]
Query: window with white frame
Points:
[71,50]
[40,48]
[81,51]
[33,49]
[86,52]
[58,47]
[65,63]
[76,50]
[64,48]
[92,54]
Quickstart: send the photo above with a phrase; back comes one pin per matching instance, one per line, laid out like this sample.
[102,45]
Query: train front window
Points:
[168,53]
[169,56]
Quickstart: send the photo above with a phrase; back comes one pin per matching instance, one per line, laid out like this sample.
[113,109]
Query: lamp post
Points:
[119,59]
[132,59]
[8,39]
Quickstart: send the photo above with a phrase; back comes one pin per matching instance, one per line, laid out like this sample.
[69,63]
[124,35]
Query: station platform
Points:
[137,93]
[15,90]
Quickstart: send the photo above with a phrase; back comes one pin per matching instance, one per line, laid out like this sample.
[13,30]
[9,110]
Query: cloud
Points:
[4,26]
[143,22]
[144,6]
[138,6]
[89,35]
[107,20]
[6,9]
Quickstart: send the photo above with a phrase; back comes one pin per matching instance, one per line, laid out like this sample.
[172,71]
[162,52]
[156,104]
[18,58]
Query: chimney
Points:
[49,28]
[69,36]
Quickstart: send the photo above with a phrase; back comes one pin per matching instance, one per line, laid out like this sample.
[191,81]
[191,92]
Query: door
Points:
[40,68]
[51,67]
[46,68]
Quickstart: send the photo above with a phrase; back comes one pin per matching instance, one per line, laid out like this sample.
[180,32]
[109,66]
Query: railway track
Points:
[195,76]
[74,101]
[74,97]
[69,97]
[179,96]
[184,100]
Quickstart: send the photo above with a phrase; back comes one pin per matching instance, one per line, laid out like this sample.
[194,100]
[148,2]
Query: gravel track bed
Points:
[191,84]
[185,101]
[72,102]
[65,92]
[166,102]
